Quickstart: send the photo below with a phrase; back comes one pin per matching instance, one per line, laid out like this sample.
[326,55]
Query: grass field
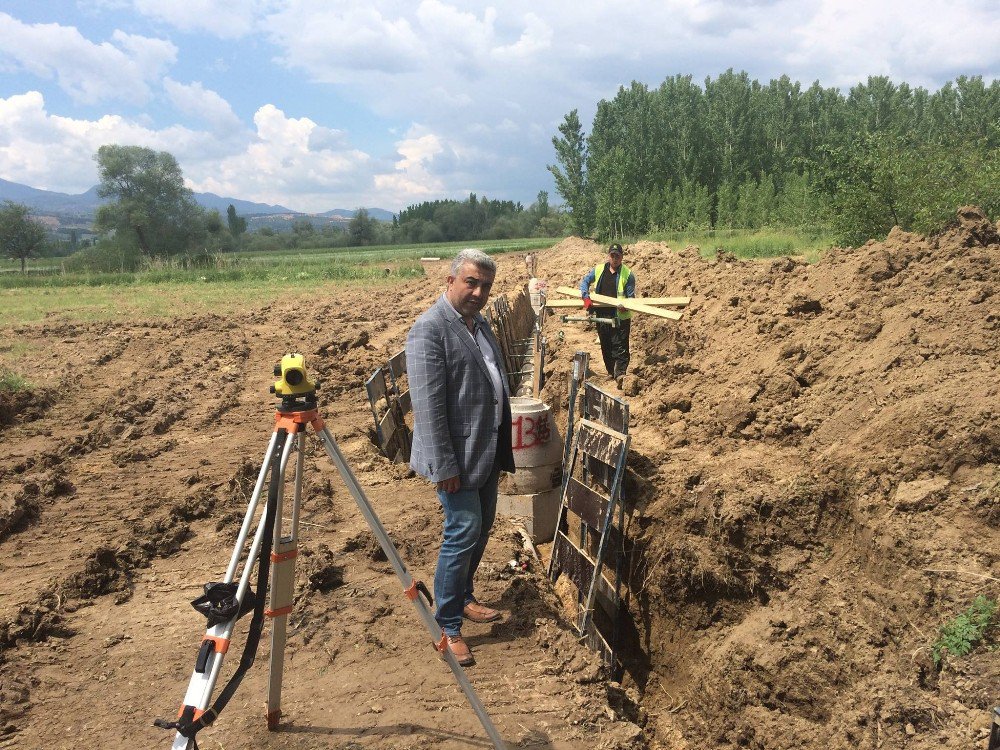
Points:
[236,281]
[85,303]
[263,265]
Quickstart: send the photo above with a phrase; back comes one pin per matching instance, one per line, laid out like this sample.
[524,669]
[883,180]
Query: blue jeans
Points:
[468,518]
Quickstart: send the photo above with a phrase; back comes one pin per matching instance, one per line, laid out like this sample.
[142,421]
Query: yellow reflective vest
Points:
[623,274]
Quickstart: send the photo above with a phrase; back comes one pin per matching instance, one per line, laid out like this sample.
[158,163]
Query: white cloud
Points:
[88,72]
[276,165]
[284,164]
[493,80]
[195,100]
[229,20]
[56,153]
[411,180]
[487,82]
[322,138]
[919,41]
[535,39]
[456,39]
[336,43]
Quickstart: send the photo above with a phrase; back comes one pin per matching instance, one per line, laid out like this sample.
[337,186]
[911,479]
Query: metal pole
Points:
[234,561]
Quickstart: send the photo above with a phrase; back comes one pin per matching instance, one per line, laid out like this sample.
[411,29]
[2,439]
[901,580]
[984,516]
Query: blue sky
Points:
[316,104]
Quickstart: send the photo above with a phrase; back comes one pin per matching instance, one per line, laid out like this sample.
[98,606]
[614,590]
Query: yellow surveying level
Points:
[293,380]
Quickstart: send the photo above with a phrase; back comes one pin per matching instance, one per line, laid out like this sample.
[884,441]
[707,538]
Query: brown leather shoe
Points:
[461,650]
[478,613]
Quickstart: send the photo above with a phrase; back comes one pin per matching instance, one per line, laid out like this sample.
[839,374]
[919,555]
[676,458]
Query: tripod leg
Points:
[217,638]
[283,554]
[409,587]
[241,539]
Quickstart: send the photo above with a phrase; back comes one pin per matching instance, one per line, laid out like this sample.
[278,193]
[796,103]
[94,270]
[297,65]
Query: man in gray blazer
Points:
[461,433]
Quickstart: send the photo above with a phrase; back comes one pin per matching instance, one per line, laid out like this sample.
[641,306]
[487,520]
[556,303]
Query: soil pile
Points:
[815,489]
[815,468]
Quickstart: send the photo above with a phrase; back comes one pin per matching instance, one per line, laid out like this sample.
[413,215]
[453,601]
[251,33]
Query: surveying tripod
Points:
[224,603]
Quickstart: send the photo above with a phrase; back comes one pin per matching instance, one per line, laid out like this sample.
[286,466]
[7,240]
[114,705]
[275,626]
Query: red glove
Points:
[587,303]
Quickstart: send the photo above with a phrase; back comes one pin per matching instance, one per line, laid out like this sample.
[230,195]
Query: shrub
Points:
[11,382]
[105,257]
[960,635]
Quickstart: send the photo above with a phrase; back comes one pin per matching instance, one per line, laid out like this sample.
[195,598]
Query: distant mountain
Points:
[243,208]
[47,201]
[84,205]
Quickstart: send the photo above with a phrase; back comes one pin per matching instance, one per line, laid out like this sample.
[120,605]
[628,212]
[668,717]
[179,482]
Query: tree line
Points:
[447,220]
[737,153]
[150,214]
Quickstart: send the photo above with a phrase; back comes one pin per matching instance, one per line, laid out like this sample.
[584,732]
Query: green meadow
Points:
[223,284]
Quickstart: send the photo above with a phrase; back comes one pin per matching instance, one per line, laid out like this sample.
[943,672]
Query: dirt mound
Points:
[23,405]
[819,444]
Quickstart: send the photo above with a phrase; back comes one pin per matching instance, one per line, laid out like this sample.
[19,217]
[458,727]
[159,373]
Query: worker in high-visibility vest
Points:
[612,279]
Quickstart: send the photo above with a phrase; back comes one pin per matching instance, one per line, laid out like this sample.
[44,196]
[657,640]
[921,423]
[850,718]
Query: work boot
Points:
[461,650]
[478,613]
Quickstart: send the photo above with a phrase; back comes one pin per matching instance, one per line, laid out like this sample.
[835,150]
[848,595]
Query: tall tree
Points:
[21,237]
[362,228]
[884,154]
[570,174]
[151,205]
[237,224]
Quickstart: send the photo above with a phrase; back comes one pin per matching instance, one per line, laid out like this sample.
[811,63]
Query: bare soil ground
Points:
[815,482]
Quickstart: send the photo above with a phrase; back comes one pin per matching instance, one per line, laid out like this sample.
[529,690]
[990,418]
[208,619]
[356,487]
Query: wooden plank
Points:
[524,315]
[599,461]
[601,442]
[388,445]
[629,304]
[598,643]
[585,502]
[669,301]
[573,563]
[387,425]
[405,402]
[633,306]
[600,406]
[579,568]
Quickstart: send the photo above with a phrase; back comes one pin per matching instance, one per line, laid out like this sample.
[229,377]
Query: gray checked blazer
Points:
[454,416]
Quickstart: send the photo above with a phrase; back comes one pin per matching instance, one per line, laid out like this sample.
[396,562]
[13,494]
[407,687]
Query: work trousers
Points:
[468,518]
[614,347]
